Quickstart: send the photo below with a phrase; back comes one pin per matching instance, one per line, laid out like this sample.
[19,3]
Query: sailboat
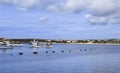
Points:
[34,44]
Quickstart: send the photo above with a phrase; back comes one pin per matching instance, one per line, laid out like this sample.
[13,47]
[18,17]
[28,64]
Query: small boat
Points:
[5,44]
[8,44]
[49,44]
[17,45]
[6,47]
[34,44]
[1,43]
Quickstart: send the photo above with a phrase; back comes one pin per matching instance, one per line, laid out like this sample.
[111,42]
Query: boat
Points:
[34,44]
[1,43]
[6,45]
[49,44]
[17,45]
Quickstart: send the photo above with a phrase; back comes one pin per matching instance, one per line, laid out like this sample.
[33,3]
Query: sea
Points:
[61,58]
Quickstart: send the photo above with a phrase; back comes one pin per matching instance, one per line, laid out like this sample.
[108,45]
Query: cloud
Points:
[43,19]
[115,19]
[112,19]
[96,20]
[27,4]
[75,5]
[104,7]
[96,12]
[101,7]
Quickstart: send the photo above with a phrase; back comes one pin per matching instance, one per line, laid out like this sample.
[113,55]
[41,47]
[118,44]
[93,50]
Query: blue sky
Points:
[56,19]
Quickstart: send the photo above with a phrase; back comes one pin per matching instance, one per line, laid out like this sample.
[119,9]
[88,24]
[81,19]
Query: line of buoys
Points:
[55,51]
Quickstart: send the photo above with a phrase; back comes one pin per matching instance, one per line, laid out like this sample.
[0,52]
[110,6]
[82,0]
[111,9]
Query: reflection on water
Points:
[62,58]
[3,51]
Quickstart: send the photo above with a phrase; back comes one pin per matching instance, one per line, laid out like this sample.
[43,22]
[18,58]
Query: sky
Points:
[60,19]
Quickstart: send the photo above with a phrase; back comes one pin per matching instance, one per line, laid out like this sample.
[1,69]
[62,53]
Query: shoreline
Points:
[89,43]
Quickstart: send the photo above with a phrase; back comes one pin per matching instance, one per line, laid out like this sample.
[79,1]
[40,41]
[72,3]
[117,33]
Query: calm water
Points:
[62,58]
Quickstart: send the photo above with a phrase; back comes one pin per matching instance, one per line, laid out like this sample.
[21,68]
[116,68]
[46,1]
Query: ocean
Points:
[62,58]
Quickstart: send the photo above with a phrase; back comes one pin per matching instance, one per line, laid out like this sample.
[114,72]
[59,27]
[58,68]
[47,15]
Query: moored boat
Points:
[34,44]
[49,44]
[17,45]
[6,47]
[5,44]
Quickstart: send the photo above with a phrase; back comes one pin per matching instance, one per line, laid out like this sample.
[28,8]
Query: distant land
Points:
[90,41]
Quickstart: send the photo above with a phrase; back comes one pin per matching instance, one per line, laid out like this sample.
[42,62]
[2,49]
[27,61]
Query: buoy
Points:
[53,51]
[90,49]
[69,50]
[35,52]
[46,52]
[85,49]
[62,51]
[11,54]
[80,49]
[20,53]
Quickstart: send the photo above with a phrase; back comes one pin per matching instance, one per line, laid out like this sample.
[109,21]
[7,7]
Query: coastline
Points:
[89,43]
[44,41]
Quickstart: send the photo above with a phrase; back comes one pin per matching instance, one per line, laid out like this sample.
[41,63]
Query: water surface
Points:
[62,58]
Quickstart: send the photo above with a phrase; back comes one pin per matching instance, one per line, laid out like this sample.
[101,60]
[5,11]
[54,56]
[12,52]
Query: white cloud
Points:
[96,20]
[22,9]
[6,1]
[55,8]
[112,19]
[100,10]
[104,7]
[76,5]
[115,19]
[52,8]
[43,19]
[26,4]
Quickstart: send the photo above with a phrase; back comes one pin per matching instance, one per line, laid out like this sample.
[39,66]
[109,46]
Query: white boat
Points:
[8,44]
[1,43]
[34,44]
[6,47]
[49,46]
[17,45]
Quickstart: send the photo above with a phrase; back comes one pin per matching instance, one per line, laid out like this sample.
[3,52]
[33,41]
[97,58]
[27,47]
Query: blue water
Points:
[62,58]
